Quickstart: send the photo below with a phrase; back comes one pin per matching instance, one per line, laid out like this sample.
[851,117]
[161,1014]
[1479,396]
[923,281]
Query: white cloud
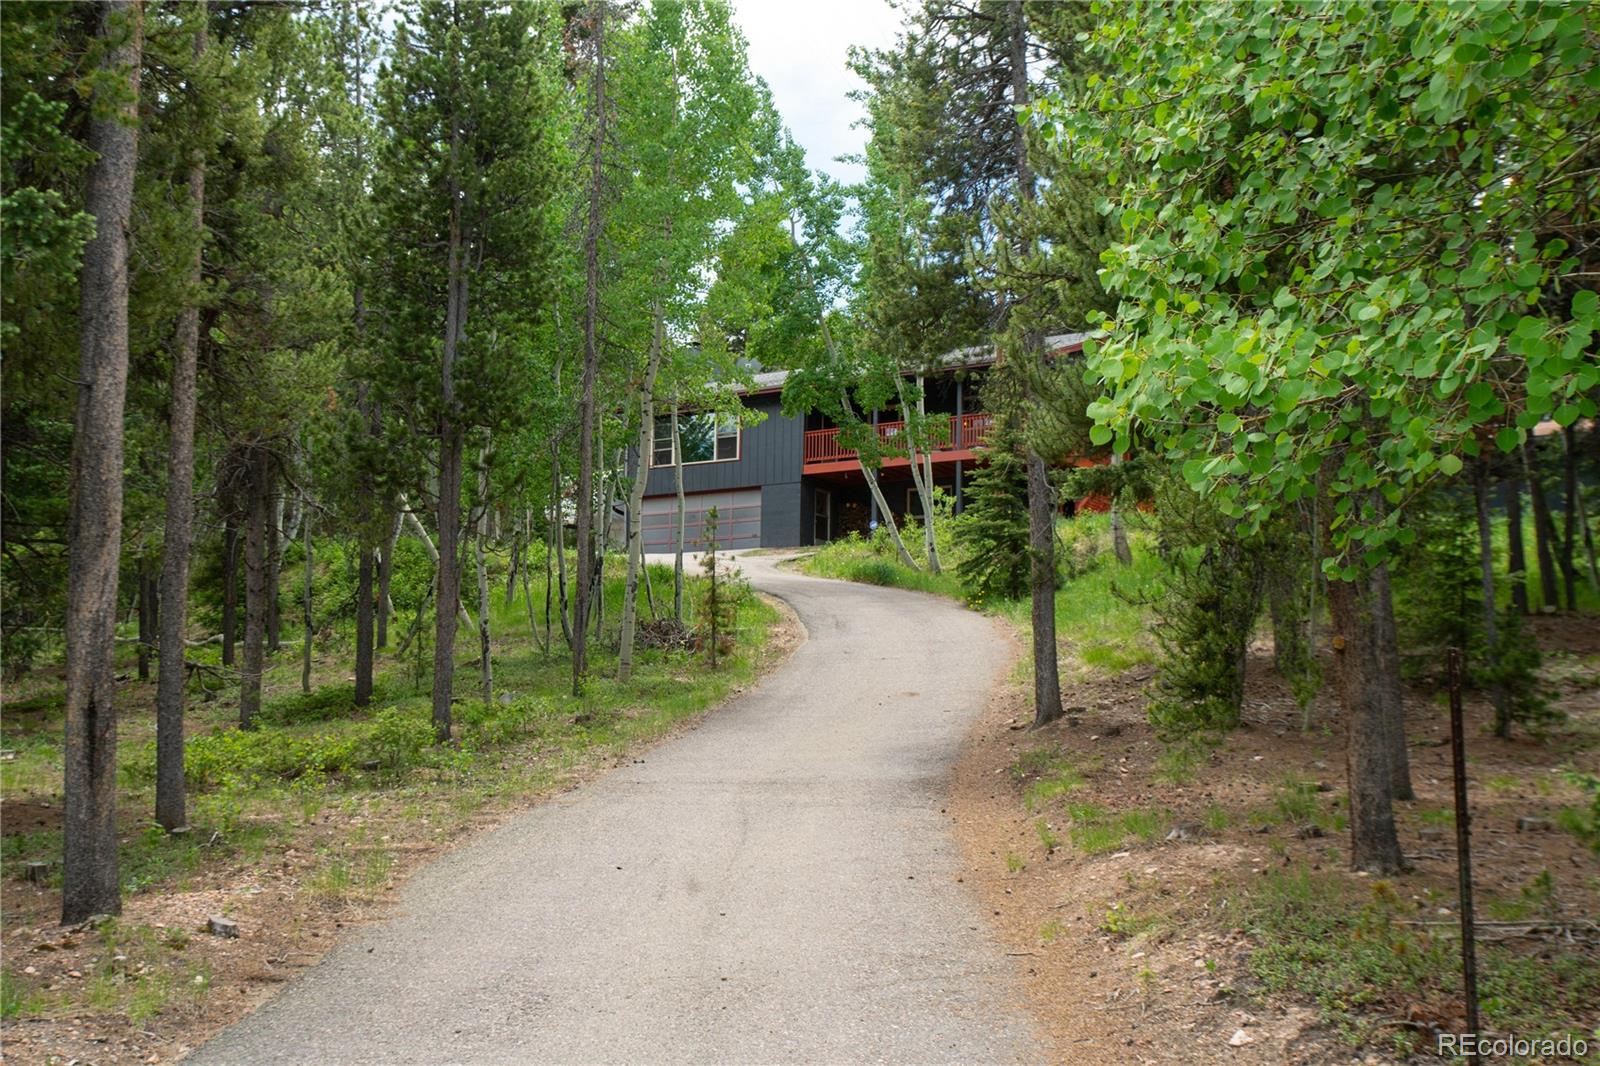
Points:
[800,48]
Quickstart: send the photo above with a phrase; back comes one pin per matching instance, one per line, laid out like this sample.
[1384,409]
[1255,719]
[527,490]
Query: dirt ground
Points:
[285,920]
[1182,992]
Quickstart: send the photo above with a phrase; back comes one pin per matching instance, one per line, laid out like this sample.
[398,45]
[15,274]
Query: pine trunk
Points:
[256,590]
[230,585]
[1491,629]
[1543,530]
[94,536]
[274,571]
[366,626]
[1516,555]
[307,616]
[1569,514]
[1389,684]
[179,535]
[147,614]
[485,665]
[1374,845]
[1041,550]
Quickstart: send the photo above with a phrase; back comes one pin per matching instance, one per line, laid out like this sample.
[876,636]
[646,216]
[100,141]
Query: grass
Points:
[137,972]
[1297,801]
[1361,959]
[1054,775]
[254,794]
[855,558]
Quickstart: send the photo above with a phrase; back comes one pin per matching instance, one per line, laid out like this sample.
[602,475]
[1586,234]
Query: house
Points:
[787,481]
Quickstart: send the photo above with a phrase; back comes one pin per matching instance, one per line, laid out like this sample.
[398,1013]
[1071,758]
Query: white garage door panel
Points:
[738,520]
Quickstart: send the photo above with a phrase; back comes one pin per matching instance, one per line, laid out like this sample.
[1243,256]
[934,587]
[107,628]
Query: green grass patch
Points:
[874,562]
[1360,958]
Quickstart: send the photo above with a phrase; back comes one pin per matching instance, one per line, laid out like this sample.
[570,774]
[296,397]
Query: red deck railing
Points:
[965,433]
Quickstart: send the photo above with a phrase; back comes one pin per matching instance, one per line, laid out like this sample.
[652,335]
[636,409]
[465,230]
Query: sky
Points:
[799,47]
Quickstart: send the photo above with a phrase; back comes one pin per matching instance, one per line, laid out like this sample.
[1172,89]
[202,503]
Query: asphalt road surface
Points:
[776,885]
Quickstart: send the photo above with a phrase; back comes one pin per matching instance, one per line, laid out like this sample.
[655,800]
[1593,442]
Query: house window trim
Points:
[738,445]
[913,503]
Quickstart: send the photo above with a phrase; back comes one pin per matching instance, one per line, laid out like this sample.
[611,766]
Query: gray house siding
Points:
[770,453]
[780,515]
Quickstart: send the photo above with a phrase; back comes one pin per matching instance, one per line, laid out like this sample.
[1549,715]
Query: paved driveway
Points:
[777,885]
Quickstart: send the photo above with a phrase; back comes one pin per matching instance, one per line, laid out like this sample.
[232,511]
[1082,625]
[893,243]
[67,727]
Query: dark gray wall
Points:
[780,516]
[770,453]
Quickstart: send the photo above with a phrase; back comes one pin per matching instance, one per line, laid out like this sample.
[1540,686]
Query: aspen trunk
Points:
[433,554]
[385,577]
[591,357]
[1119,534]
[559,536]
[94,534]
[647,426]
[677,547]
[527,591]
[921,473]
[511,565]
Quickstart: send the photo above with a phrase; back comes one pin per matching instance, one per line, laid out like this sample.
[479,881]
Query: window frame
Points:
[716,439]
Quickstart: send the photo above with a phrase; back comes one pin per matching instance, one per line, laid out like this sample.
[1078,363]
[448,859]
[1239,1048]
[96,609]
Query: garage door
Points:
[738,520]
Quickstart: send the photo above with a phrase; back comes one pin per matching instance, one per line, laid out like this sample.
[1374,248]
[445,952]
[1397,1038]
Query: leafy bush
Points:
[488,725]
[397,739]
[243,756]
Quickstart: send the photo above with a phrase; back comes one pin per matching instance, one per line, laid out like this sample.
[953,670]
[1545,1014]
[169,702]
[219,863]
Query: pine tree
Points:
[994,524]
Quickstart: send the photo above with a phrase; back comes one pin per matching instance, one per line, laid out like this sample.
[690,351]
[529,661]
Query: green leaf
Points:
[1508,439]
[1450,465]
[1100,435]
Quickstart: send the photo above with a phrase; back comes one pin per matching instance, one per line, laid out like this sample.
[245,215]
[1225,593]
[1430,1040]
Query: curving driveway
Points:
[777,885]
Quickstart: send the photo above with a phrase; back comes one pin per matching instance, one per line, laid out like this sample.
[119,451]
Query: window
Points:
[702,438]
[822,529]
[913,502]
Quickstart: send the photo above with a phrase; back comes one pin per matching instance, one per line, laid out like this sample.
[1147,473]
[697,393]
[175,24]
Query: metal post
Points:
[1458,765]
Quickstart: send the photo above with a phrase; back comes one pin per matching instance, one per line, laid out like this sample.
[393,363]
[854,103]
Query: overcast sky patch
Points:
[800,49]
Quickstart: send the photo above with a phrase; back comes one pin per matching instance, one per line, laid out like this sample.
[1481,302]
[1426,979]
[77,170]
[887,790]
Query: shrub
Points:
[245,756]
[1206,615]
[398,739]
